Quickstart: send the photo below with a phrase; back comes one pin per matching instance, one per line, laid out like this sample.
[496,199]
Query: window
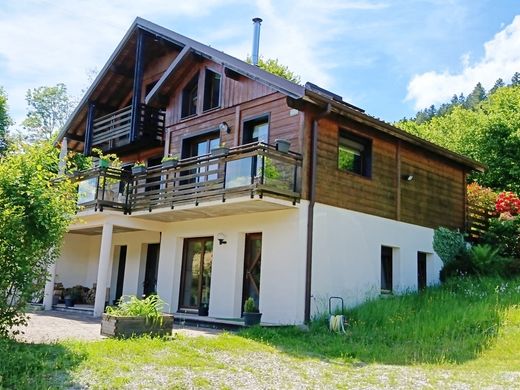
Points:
[189,97]
[421,270]
[256,130]
[354,153]
[386,269]
[211,90]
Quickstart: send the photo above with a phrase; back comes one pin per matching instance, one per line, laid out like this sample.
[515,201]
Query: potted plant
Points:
[169,161]
[69,300]
[139,168]
[106,160]
[251,315]
[135,317]
[221,151]
[283,145]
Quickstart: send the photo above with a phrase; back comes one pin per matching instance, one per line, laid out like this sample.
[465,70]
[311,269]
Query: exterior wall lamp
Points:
[221,237]
[407,177]
[224,127]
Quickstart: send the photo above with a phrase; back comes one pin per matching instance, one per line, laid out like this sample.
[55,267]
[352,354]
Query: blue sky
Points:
[389,57]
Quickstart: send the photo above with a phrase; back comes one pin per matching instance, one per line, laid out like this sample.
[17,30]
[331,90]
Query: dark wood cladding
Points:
[435,197]
[282,123]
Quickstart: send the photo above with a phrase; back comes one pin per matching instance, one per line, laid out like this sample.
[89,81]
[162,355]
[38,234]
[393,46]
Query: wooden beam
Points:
[75,137]
[121,70]
[89,129]
[138,85]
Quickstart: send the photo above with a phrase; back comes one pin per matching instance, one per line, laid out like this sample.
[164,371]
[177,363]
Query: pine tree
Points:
[475,97]
[515,80]
[498,84]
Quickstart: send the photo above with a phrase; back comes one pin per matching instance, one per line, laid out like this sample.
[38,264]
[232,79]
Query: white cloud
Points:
[52,41]
[501,59]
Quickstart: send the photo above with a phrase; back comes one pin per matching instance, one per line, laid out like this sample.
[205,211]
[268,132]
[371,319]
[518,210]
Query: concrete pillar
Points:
[105,259]
[165,273]
[51,269]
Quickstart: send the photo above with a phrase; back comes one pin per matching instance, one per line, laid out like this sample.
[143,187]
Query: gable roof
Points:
[310,93]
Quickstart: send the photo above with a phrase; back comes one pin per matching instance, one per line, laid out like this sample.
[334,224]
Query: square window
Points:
[211,90]
[354,153]
[256,130]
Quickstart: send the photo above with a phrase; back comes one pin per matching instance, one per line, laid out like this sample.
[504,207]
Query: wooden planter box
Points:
[123,327]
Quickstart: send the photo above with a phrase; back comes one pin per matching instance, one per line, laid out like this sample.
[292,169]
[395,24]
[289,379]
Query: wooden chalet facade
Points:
[348,211]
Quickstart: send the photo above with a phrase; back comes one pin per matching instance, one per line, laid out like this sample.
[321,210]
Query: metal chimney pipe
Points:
[256,40]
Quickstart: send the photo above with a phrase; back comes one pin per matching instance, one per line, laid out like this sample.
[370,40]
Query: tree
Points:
[5,121]
[34,216]
[275,67]
[498,84]
[49,108]
[477,96]
[515,80]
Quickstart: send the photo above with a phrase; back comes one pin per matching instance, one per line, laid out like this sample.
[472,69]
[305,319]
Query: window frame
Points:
[204,92]
[365,154]
[194,83]
[246,122]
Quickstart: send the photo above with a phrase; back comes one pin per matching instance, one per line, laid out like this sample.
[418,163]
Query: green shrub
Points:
[249,306]
[448,244]
[487,260]
[505,234]
[150,307]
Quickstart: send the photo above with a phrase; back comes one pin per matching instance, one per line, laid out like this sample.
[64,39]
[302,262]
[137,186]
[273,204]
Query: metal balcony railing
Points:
[254,169]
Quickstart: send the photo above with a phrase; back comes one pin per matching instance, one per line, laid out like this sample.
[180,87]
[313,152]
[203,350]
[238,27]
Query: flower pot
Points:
[69,302]
[168,164]
[124,327]
[282,145]
[138,170]
[220,152]
[104,163]
[203,310]
[251,319]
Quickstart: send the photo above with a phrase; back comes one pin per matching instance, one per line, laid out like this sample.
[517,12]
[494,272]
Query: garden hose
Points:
[337,324]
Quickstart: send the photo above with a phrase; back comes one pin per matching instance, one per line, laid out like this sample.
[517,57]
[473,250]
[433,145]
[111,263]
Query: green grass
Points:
[463,334]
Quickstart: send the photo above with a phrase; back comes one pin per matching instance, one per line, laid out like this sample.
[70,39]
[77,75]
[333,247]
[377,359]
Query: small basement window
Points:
[211,90]
[189,97]
[354,153]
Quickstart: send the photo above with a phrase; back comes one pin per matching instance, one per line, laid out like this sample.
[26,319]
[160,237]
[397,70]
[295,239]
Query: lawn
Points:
[465,334]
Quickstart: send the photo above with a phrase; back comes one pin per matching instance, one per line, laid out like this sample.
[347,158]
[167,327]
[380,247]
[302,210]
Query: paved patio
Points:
[52,326]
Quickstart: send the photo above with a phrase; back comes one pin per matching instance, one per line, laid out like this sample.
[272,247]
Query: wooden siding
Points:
[281,123]
[435,197]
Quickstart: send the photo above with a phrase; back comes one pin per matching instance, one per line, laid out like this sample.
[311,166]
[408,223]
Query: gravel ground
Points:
[52,326]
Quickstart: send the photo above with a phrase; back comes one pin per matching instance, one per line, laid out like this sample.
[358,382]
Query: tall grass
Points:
[452,323]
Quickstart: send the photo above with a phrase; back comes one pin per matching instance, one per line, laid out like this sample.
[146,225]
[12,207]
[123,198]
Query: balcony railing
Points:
[113,130]
[254,169]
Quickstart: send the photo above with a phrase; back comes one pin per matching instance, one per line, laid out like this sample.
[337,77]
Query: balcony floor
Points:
[217,208]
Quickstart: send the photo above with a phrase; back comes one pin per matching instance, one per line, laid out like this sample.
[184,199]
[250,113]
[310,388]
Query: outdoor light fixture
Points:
[407,177]
[221,237]
[224,127]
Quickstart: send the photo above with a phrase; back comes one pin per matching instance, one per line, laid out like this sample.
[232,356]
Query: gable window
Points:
[211,90]
[189,97]
[354,153]
[256,130]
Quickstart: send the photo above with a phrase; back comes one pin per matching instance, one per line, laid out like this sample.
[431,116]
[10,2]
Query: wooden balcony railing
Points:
[113,130]
[254,169]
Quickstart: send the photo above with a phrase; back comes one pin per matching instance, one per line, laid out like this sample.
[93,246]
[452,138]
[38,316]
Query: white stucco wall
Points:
[347,255]
[282,277]
[82,254]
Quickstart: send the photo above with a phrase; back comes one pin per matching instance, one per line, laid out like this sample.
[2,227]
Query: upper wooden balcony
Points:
[249,172]
[112,132]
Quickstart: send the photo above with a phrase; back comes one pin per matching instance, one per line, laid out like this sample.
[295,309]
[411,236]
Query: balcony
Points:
[248,172]
[112,132]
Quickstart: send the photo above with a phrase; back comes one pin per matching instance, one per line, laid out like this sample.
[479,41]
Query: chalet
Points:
[348,210]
